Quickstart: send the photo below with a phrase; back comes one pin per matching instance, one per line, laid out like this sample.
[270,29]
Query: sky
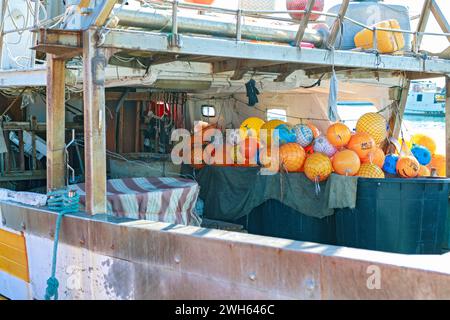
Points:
[429,43]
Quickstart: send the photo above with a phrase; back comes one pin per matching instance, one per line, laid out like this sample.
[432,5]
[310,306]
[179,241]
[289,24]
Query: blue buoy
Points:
[390,164]
[422,154]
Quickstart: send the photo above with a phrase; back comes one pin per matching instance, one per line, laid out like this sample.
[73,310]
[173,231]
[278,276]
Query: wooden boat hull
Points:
[105,259]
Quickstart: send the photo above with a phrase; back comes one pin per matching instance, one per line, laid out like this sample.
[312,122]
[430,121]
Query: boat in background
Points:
[426,99]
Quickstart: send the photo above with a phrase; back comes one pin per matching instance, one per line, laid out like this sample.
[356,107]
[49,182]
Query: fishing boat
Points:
[425,99]
[93,206]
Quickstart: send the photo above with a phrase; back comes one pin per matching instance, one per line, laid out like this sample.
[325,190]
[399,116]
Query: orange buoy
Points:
[424,172]
[408,167]
[371,171]
[292,157]
[376,157]
[373,124]
[318,167]
[362,143]
[339,135]
[316,132]
[346,163]
[438,163]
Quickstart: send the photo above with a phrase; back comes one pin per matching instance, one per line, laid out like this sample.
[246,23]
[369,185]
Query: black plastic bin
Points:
[275,219]
[396,215]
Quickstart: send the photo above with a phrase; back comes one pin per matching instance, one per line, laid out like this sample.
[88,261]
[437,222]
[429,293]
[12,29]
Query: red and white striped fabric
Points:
[170,200]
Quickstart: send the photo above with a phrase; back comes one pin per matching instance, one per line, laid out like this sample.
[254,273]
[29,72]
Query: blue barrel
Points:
[396,215]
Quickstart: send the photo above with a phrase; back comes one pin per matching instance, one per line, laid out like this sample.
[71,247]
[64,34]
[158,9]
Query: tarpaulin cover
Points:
[170,200]
[230,193]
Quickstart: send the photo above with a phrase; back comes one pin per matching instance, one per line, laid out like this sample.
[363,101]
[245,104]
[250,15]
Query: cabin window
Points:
[419,97]
[277,114]
[208,111]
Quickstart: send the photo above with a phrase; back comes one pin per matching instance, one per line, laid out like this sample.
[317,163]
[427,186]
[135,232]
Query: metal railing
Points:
[265,14]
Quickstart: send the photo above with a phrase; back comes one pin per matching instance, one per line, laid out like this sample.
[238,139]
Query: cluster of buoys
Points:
[416,158]
[303,148]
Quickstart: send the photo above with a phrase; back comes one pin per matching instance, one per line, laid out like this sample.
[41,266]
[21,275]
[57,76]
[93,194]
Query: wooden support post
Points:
[304,23]
[440,17]
[423,21]
[137,137]
[447,124]
[56,171]
[395,122]
[21,151]
[337,23]
[94,64]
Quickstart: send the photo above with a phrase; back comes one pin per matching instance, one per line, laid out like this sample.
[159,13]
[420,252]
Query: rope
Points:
[63,201]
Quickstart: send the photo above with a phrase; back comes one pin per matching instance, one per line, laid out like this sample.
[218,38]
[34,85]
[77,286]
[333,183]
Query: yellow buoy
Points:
[269,126]
[369,170]
[424,140]
[251,127]
[318,167]
[373,124]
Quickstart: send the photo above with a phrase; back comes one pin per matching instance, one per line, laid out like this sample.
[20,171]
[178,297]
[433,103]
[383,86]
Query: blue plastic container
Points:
[396,215]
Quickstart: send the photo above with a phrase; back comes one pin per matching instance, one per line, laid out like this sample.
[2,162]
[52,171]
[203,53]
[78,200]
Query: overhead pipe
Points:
[161,20]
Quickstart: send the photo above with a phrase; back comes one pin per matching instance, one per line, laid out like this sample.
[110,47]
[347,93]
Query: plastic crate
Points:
[396,215]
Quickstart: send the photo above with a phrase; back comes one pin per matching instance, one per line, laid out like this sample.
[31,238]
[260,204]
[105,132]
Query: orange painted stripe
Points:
[12,239]
[13,255]
[14,269]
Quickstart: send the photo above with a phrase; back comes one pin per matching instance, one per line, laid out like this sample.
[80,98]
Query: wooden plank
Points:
[55,122]
[14,269]
[21,151]
[422,25]
[12,239]
[337,23]
[137,134]
[13,254]
[304,23]
[94,63]
[395,123]
[447,123]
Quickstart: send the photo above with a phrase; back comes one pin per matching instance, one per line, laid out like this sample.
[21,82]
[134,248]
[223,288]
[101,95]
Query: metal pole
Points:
[161,19]
[36,23]
[4,4]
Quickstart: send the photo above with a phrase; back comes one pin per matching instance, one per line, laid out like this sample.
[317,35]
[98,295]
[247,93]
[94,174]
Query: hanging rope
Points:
[63,201]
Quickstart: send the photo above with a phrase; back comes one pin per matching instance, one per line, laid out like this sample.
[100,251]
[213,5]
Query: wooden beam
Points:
[56,170]
[337,23]
[105,12]
[421,26]
[440,18]
[94,64]
[395,123]
[447,124]
[304,23]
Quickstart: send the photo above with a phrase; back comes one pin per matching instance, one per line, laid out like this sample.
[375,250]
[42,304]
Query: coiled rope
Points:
[63,201]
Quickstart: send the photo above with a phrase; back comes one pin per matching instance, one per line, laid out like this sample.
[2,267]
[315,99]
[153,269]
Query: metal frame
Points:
[98,43]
